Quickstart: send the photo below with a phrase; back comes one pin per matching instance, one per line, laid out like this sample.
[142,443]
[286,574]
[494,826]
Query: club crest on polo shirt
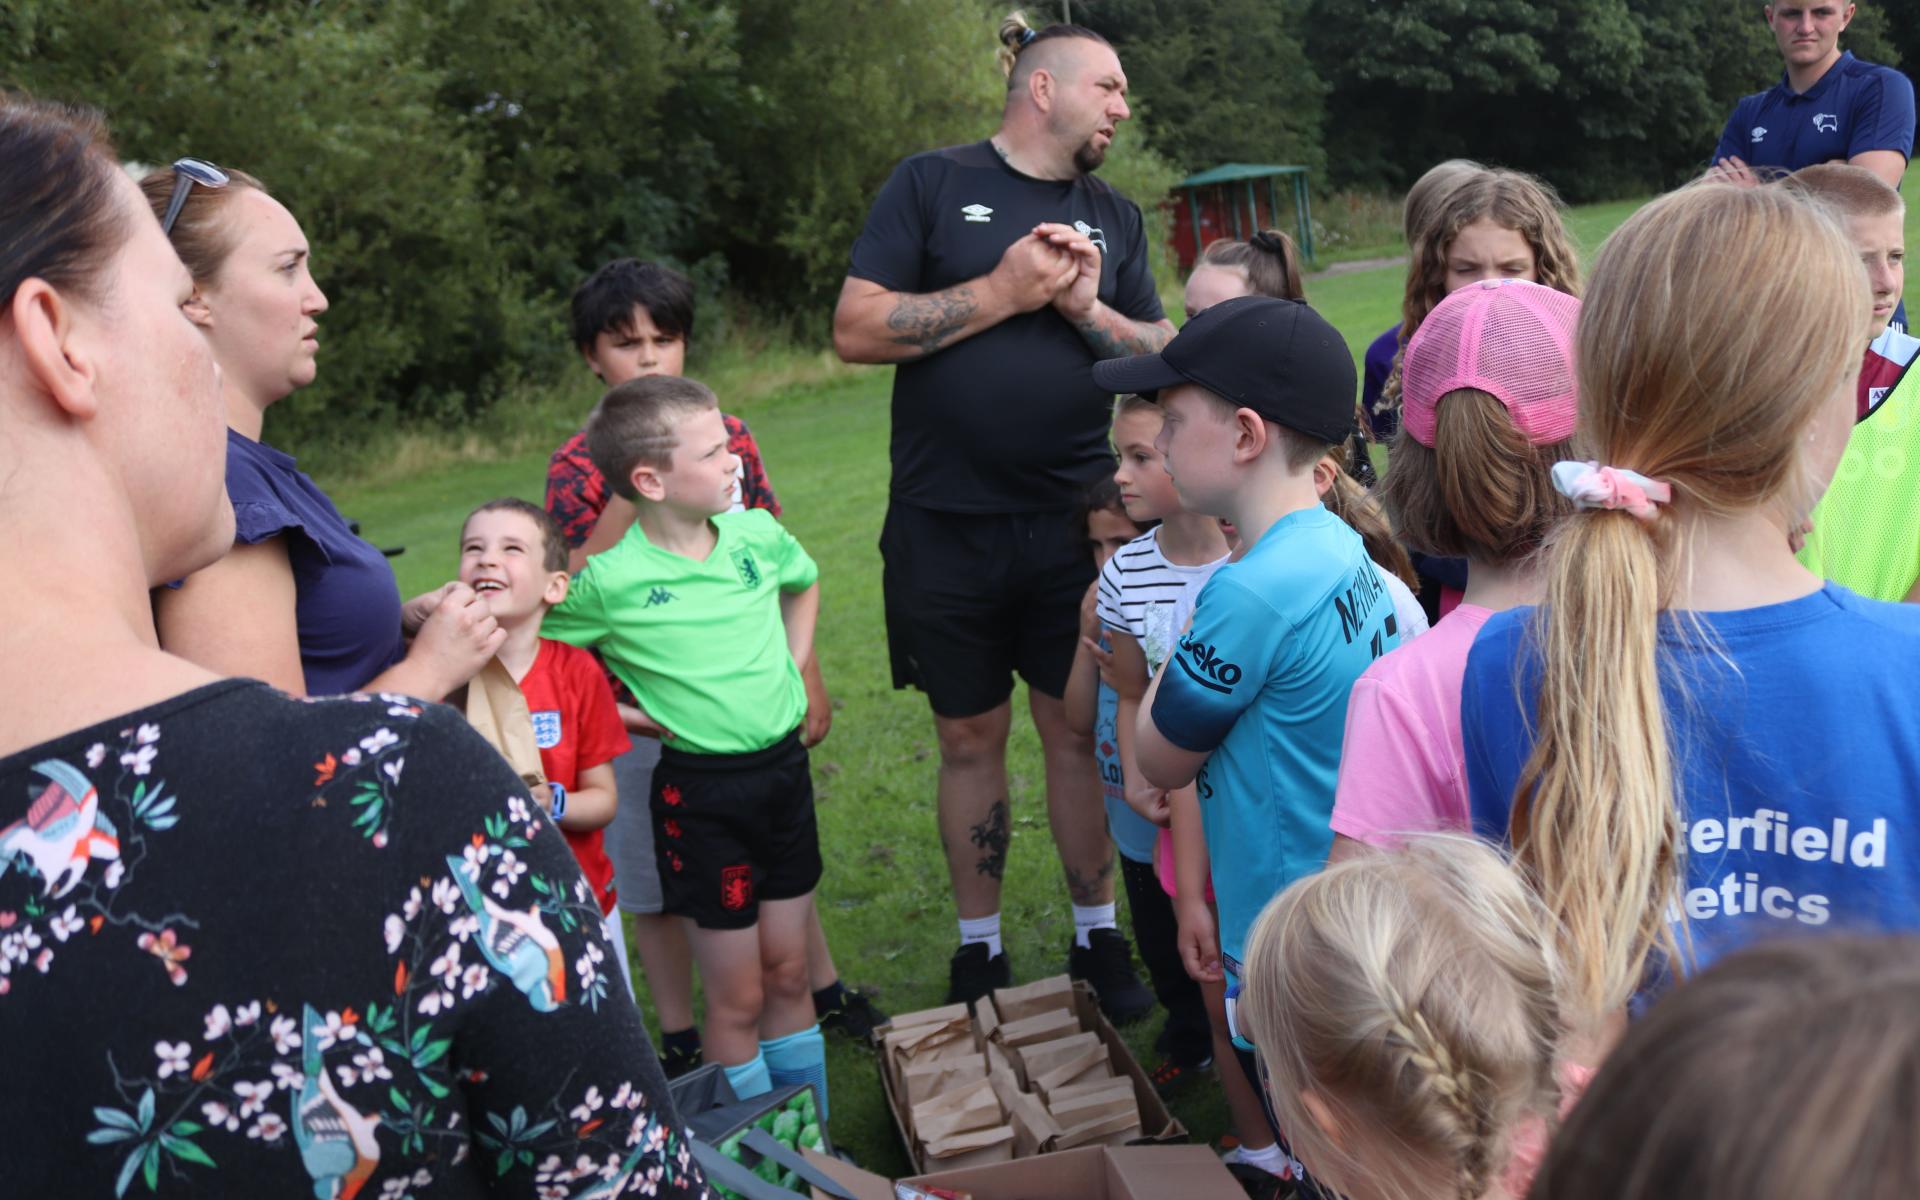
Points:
[1759,132]
[977,212]
[546,728]
[1826,122]
[748,570]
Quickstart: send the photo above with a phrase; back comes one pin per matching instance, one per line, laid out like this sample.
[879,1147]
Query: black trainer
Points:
[973,973]
[677,1060]
[854,1015]
[1107,964]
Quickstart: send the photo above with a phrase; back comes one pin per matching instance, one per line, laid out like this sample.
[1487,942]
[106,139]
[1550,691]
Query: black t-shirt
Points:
[1008,420]
[257,946]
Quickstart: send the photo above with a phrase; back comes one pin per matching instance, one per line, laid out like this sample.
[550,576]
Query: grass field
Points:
[885,903]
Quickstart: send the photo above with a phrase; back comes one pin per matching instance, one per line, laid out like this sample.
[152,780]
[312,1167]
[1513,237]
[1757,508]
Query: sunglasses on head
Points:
[186,173]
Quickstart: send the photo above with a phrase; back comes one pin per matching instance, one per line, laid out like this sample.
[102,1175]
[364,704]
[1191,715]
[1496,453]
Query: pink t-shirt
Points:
[1402,762]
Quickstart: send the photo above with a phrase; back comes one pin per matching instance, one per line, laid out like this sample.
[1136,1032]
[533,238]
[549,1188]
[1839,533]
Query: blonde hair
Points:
[1268,261]
[1852,191]
[1714,400]
[1510,199]
[1413,992]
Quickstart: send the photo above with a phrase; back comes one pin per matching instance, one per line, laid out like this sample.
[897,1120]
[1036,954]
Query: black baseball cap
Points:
[1277,357]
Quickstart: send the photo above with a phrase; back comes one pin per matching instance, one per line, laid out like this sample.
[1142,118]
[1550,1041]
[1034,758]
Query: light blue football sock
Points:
[799,1058]
[750,1078]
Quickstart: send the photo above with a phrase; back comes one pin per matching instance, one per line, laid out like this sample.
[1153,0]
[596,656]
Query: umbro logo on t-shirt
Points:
[1826,122]
[1759,132]
[978,212]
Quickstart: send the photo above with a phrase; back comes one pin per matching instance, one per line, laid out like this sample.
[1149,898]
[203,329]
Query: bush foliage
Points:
[459,164]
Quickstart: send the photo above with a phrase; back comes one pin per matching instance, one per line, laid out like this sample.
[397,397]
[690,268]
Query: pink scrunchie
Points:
[1590,485]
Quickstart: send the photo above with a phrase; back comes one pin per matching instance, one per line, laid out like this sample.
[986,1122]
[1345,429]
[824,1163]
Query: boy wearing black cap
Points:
[1252,705]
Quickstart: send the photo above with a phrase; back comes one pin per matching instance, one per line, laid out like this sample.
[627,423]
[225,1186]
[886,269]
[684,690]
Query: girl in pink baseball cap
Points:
[1488,405]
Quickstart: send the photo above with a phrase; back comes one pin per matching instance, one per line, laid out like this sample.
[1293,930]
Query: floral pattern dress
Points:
[252,945]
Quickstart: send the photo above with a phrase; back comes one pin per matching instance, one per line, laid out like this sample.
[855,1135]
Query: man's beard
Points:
[1088,157]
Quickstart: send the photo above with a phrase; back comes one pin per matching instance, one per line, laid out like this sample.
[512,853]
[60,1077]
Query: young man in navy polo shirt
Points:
[1829,106]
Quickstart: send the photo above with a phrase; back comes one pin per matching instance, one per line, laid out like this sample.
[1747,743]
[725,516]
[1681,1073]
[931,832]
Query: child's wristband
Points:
[558,801]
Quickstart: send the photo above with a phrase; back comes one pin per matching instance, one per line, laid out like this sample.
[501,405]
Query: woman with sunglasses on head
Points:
[301,601]
[324,947]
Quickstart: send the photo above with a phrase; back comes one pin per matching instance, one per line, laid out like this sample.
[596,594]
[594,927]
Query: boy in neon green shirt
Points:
[704,614]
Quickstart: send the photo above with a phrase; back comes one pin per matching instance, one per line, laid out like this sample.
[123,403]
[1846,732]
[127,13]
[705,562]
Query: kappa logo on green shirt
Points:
[659,595]
[749,570]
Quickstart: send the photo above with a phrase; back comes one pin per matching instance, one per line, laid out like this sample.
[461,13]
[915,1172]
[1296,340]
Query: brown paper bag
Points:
[1091,1063]
[1033,1127]
[1042,1027]
[928,1016]
[1109,1087]
[923,1081]
[958,1110]
[974,1148]
[1095,1114]
[497,710]
[1032,999]
[1036,1060]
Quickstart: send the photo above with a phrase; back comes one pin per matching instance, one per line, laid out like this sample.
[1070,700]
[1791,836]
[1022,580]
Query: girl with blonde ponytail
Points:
[1405,1009]
[1695,742]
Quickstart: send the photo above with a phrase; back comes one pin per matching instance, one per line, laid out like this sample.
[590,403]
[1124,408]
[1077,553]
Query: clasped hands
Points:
[1054,265]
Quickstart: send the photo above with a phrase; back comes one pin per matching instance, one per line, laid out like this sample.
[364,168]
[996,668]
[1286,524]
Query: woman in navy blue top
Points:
[301,601]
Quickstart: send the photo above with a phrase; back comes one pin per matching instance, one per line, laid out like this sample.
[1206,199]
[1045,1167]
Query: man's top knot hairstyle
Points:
[638,424]
[1016,37]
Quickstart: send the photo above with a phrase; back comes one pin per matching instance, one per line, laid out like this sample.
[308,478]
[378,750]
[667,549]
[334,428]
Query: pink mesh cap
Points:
[1507,337]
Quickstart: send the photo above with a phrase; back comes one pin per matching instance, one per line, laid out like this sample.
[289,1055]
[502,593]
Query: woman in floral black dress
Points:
[249,945]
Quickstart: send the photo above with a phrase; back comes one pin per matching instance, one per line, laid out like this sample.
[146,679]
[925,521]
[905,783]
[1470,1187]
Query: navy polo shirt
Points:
[1855,107]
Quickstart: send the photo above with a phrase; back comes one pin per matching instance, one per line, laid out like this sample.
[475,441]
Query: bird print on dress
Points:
[336,1141]
[518,944]
[63,830]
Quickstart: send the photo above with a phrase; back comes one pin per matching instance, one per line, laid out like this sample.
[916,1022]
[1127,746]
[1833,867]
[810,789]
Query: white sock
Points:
[982,929]
[1268,1158]
[1089,917]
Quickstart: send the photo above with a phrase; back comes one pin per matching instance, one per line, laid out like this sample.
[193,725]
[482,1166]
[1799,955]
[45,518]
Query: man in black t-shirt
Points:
[996,274]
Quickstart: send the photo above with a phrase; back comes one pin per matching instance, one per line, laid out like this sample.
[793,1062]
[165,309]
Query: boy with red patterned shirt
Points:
[512,556]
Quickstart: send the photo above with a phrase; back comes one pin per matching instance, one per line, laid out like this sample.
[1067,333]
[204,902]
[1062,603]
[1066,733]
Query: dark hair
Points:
[200,237]
[1788,1069]
[1481,490]
[1017,37]
[553,543]
[1102,495]
[59,219]
[637,424]
[1268,259]
[605,302]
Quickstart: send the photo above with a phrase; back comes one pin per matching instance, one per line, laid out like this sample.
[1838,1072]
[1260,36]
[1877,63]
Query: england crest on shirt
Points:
[546,728]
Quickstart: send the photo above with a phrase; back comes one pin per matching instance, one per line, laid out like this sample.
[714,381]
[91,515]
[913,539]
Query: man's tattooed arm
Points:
[926,322]
[1113,336]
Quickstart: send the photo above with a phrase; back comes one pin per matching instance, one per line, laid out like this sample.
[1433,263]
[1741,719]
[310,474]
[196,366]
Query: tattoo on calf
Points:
[927,322]
[991,837]
[1086,890]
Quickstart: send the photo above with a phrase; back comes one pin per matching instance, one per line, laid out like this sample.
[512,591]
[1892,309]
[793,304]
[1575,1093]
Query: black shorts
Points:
[732,830]
[973,597]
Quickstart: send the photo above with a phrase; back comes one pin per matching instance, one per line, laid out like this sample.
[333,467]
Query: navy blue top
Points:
[347,604]
[1856,107]
[1380,355]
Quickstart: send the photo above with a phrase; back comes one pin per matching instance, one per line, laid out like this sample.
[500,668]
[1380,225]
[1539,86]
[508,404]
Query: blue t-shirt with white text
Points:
[1261,681]
[1797,760]
[1133,835]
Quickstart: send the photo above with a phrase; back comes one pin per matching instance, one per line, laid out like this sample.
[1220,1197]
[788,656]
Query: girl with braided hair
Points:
[1405,1010]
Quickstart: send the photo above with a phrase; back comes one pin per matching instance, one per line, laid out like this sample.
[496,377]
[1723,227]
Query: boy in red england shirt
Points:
[513,557]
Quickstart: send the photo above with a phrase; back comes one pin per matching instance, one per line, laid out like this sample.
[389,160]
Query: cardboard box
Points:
[1033,1129]
[1091,1173]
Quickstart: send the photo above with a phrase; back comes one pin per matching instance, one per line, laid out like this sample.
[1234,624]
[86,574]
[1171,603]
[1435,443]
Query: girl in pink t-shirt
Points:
[1488,405]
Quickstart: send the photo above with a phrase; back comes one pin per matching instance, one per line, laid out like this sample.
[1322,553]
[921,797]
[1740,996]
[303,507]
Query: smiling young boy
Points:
[512,556]
[705,615]
[1252,705]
